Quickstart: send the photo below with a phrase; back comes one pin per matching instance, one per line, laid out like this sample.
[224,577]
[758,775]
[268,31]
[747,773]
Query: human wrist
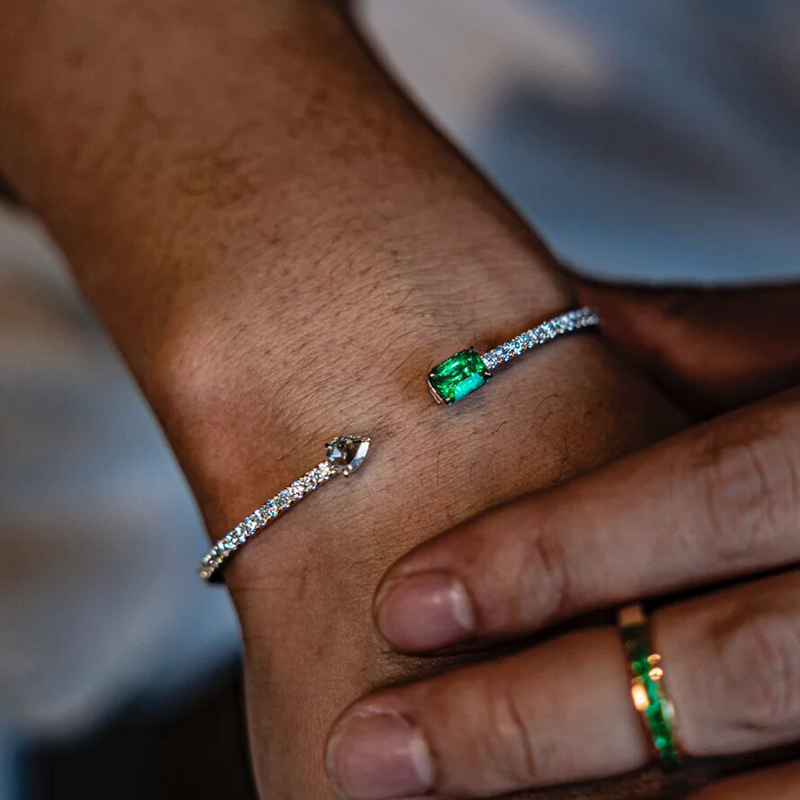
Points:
[241,378]
[574,396]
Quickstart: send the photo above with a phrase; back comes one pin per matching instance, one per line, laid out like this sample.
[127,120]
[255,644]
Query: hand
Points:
[710,505]
[711,350]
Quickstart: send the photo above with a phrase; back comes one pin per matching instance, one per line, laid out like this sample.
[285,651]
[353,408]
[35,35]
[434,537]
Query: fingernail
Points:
[426,611]
[378,756]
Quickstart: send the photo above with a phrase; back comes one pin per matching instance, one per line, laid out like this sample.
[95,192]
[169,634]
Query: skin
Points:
[281,248]
[776,784]
[707,506]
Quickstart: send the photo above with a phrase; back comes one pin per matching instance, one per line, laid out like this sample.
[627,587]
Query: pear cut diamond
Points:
[346,453]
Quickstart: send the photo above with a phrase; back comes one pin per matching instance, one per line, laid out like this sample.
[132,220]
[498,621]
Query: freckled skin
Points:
[282,249]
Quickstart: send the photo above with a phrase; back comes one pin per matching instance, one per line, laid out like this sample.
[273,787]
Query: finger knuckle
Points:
[513,749]
[749,482]
[547,568]
[543,573]
[759,658]
[531,566]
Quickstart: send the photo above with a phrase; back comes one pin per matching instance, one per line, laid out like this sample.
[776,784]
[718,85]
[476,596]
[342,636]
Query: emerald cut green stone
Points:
[460,375]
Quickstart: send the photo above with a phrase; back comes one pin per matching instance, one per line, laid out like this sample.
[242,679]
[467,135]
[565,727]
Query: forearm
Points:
[245,192]
[205,172]
[168,145]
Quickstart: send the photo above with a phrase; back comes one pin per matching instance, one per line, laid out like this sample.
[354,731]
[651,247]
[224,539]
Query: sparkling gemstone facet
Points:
[458,376]
[347,453]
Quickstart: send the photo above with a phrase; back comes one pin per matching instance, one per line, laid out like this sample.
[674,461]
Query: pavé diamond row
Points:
[466,371]
[345,454]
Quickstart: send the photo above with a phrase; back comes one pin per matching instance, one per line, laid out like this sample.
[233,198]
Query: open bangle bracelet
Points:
[468,370]
[344,455]
[449,382]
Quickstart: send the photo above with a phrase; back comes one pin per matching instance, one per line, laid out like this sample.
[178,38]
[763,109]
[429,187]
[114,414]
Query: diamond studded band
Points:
[344,455]
[468,370]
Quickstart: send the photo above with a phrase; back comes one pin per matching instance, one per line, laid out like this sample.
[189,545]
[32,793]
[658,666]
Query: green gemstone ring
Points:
[468,370]
[647,685]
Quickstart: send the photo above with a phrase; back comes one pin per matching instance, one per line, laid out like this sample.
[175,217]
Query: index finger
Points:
[712,503]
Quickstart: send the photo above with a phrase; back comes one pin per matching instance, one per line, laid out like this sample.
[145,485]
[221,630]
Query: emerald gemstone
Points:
[659,714]
[460,375]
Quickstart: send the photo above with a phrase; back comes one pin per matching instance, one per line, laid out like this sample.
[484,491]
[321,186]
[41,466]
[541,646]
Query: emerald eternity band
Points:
[468,370]
[647,685]
[344,455]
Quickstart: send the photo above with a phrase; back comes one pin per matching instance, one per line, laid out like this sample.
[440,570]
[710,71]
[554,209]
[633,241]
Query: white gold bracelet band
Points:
[450,381]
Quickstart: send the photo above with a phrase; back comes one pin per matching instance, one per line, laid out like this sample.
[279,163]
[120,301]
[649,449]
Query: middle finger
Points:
[562,712]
